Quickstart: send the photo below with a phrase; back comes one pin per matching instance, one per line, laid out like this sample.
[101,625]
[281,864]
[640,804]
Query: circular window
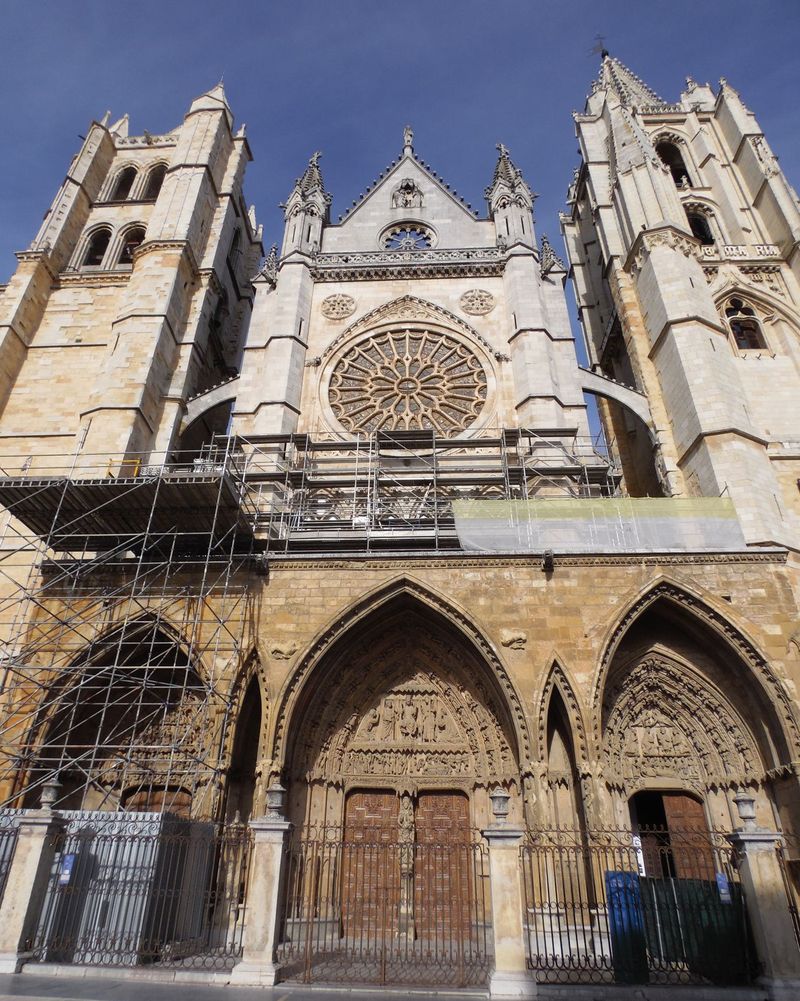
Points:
[407,236]
[408,380]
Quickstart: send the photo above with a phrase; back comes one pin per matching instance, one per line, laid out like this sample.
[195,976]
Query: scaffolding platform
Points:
[100,513]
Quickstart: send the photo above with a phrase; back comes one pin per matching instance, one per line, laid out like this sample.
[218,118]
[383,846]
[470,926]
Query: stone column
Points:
[26,886]
[258,966]
[768,908]
[510,976]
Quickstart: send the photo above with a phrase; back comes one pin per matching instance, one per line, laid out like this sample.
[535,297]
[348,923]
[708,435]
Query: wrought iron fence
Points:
[133,889]
[789,861]
[657,907]
[8,843]
[377,909]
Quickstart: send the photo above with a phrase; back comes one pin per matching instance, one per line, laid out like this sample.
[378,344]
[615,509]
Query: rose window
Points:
[407,238]
[408,380]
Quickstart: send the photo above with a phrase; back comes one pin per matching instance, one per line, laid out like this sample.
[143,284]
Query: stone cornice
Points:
[477,262]
[93,278]
[666,235]
[403,560]
[37,257]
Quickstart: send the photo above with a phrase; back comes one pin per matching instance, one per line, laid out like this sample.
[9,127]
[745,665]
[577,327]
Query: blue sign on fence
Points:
[65,872]
[724,888]
[626,927]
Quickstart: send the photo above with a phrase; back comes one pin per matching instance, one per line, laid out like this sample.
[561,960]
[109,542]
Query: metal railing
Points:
[143,889]
[788,849]
[376,909]
[9,820]
[659,907]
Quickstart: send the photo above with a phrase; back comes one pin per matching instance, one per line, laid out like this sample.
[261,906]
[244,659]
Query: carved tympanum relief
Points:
[408,379]
[665,723]
[403,711]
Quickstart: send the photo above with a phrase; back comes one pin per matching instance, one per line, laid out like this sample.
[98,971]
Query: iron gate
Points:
[142,889]
[658,907]
[386,911]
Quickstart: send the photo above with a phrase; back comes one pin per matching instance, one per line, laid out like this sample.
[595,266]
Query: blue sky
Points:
[344,76]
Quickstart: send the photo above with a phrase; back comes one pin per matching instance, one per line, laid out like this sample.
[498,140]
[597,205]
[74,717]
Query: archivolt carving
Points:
[558,680]
[663,722]
[381,602]
[770,683]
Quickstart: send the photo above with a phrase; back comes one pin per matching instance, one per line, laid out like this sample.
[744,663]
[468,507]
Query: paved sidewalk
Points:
[36,987]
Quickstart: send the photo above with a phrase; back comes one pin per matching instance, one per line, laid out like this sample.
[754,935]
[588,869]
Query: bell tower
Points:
[139,278]
[682,235]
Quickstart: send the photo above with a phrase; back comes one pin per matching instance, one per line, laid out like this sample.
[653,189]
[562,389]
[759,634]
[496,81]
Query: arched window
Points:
[96,248]
[132,239]
[123,184]
[698,222]
[671,157]
[154,181]
[744,326]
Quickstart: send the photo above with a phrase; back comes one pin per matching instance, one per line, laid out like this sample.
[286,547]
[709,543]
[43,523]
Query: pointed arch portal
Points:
[402,705]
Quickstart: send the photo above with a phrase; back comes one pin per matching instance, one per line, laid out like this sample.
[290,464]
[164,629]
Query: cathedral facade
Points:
[316,560]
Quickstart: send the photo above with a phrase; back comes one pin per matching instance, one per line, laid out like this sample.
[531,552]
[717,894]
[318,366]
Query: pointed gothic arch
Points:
[406,644]
[685,703]
[123,725]
[703,612]
[557,681]
[404,308]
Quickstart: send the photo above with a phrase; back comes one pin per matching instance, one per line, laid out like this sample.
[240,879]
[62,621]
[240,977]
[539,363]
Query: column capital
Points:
[269,828]
[757,840]
[501,836]
[48,820]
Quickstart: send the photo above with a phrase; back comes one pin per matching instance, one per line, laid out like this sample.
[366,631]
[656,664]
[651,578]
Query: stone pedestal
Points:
[510,976]
[257,966]
[26,886]
[768,909]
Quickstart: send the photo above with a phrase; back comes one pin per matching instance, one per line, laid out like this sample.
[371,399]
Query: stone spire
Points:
[510,202]
[311,181]
[507,180]
[629,88]
[307,209]
[213,100]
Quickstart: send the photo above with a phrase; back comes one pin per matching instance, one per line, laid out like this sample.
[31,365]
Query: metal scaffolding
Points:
[127,619]
[128,588]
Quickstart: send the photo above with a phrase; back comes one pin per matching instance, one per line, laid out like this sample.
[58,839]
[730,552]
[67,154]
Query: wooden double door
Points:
[407,865]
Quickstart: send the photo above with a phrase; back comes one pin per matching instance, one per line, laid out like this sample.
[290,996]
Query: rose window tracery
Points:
[407,237]
[408,380]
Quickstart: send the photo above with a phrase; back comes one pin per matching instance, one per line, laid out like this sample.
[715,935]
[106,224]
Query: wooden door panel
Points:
[370,864]
[692,855]
[443,884]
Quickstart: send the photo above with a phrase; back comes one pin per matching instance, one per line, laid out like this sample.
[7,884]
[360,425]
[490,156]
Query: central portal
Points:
[402,737]
[405,733]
